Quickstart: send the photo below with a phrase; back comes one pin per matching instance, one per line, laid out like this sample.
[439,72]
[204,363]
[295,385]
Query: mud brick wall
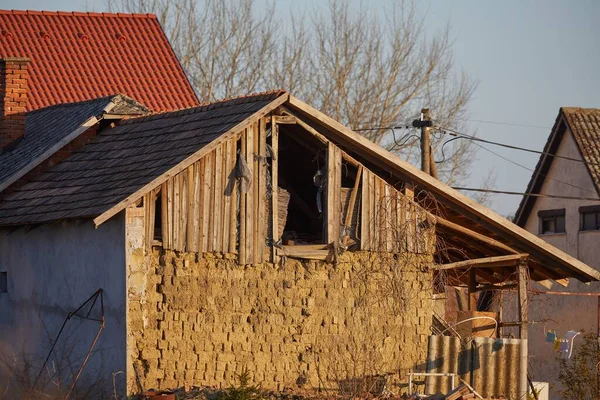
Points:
[306,323]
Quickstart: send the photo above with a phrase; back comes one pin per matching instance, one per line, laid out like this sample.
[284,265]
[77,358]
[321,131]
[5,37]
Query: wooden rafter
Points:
[487,262]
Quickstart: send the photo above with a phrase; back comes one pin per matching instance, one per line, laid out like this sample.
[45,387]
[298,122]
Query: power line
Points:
[503,123]
[523,194]
[453,132]
[531,170]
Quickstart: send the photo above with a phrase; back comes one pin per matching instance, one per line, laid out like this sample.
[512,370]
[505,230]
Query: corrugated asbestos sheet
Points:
[491,366]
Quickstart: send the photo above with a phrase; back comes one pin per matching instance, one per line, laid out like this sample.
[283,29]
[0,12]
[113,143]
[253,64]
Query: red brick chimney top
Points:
[13,100]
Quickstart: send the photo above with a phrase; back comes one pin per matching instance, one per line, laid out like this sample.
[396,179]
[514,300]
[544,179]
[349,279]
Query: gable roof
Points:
[584,124]
[82,56]
[49,129]
[124,163]
[121,161]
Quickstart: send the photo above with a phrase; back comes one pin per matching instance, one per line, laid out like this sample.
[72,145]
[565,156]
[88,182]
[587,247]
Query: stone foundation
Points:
[308,324]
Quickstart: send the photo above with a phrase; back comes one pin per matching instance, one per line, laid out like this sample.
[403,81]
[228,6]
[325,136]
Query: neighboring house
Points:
[254,232]
[82,56]
[572,225]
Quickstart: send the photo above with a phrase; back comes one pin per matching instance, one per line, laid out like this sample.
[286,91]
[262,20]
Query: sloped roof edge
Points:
[123,103]
[538,177]
[283,96]
[462,203]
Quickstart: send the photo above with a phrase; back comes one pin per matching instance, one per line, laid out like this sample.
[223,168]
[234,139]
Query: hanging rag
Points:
[550,336]
[242,172]
[564,348]
[319,180]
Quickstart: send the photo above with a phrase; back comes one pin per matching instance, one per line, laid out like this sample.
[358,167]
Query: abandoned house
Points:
[249,233]
[570,224]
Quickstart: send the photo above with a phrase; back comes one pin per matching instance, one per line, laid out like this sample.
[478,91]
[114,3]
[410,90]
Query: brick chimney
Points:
[13,100]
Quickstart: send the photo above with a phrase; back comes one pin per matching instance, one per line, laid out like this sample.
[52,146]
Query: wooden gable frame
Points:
[384,175]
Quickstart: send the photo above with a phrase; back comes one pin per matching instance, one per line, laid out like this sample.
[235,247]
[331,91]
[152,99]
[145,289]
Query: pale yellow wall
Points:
[306,323]
[571,313]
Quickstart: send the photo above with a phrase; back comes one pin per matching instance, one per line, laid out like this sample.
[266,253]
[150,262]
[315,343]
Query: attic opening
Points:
[302,174]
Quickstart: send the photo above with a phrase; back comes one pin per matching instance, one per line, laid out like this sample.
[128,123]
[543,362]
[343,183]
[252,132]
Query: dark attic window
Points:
[552,221]
[589,218]
[3,282]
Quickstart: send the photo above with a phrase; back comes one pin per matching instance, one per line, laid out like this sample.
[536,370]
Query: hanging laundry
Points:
[550,336]
[557,342]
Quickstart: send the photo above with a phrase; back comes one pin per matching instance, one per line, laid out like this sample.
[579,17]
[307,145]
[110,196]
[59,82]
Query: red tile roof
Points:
[81,56]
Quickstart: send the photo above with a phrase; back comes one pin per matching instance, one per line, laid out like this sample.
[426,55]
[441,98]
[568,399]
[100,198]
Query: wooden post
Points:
[425,143]
[523,327]
[274,190]
[472,290]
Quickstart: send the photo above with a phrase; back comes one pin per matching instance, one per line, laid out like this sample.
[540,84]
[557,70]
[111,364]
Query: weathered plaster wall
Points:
[52,269]
[311,323]
[571,313]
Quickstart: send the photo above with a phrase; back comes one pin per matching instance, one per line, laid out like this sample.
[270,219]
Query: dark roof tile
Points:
[121,160]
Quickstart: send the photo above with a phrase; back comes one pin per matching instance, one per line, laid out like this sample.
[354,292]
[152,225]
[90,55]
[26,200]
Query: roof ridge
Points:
[76,103]
[79,14]
[202,106]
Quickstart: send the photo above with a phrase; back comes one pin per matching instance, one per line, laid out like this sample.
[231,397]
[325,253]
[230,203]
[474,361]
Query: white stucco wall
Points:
[52,270]
[571,313]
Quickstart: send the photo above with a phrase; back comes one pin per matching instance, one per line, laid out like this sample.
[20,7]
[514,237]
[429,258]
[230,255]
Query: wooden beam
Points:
[472,290]
[350,210]
[309,252]
[233,132]
[284,119]
[274,189]
[324,140]
[487,262]
[451,227]
[484,288]
[523,304]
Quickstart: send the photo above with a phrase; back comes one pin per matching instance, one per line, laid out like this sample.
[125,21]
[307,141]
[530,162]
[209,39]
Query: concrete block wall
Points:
[203,319]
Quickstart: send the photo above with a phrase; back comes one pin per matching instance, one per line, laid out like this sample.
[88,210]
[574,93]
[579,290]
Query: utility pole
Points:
[425,123]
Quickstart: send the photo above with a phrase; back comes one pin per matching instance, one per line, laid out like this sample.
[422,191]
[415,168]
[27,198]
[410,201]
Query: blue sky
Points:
[530,57]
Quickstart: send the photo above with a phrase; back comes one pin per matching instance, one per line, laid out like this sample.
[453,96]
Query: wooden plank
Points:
[217,210]
[164,216]
[390,226]
[284,119]
[250,196]
[243,196]
[233,132]
[196,207]
[304,253]
[255,190]
[334,176]
[227,217]
[449,227]
[171,212]
[206,211]
[184,210]
[201,207]
[262,189]
[274,189]
[486,262]
[364,211]
[211,160]
[176,211]
[190,218]
[233,214]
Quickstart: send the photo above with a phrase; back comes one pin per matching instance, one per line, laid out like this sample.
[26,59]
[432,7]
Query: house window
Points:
[3,282]
[552,221]
[589,218]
